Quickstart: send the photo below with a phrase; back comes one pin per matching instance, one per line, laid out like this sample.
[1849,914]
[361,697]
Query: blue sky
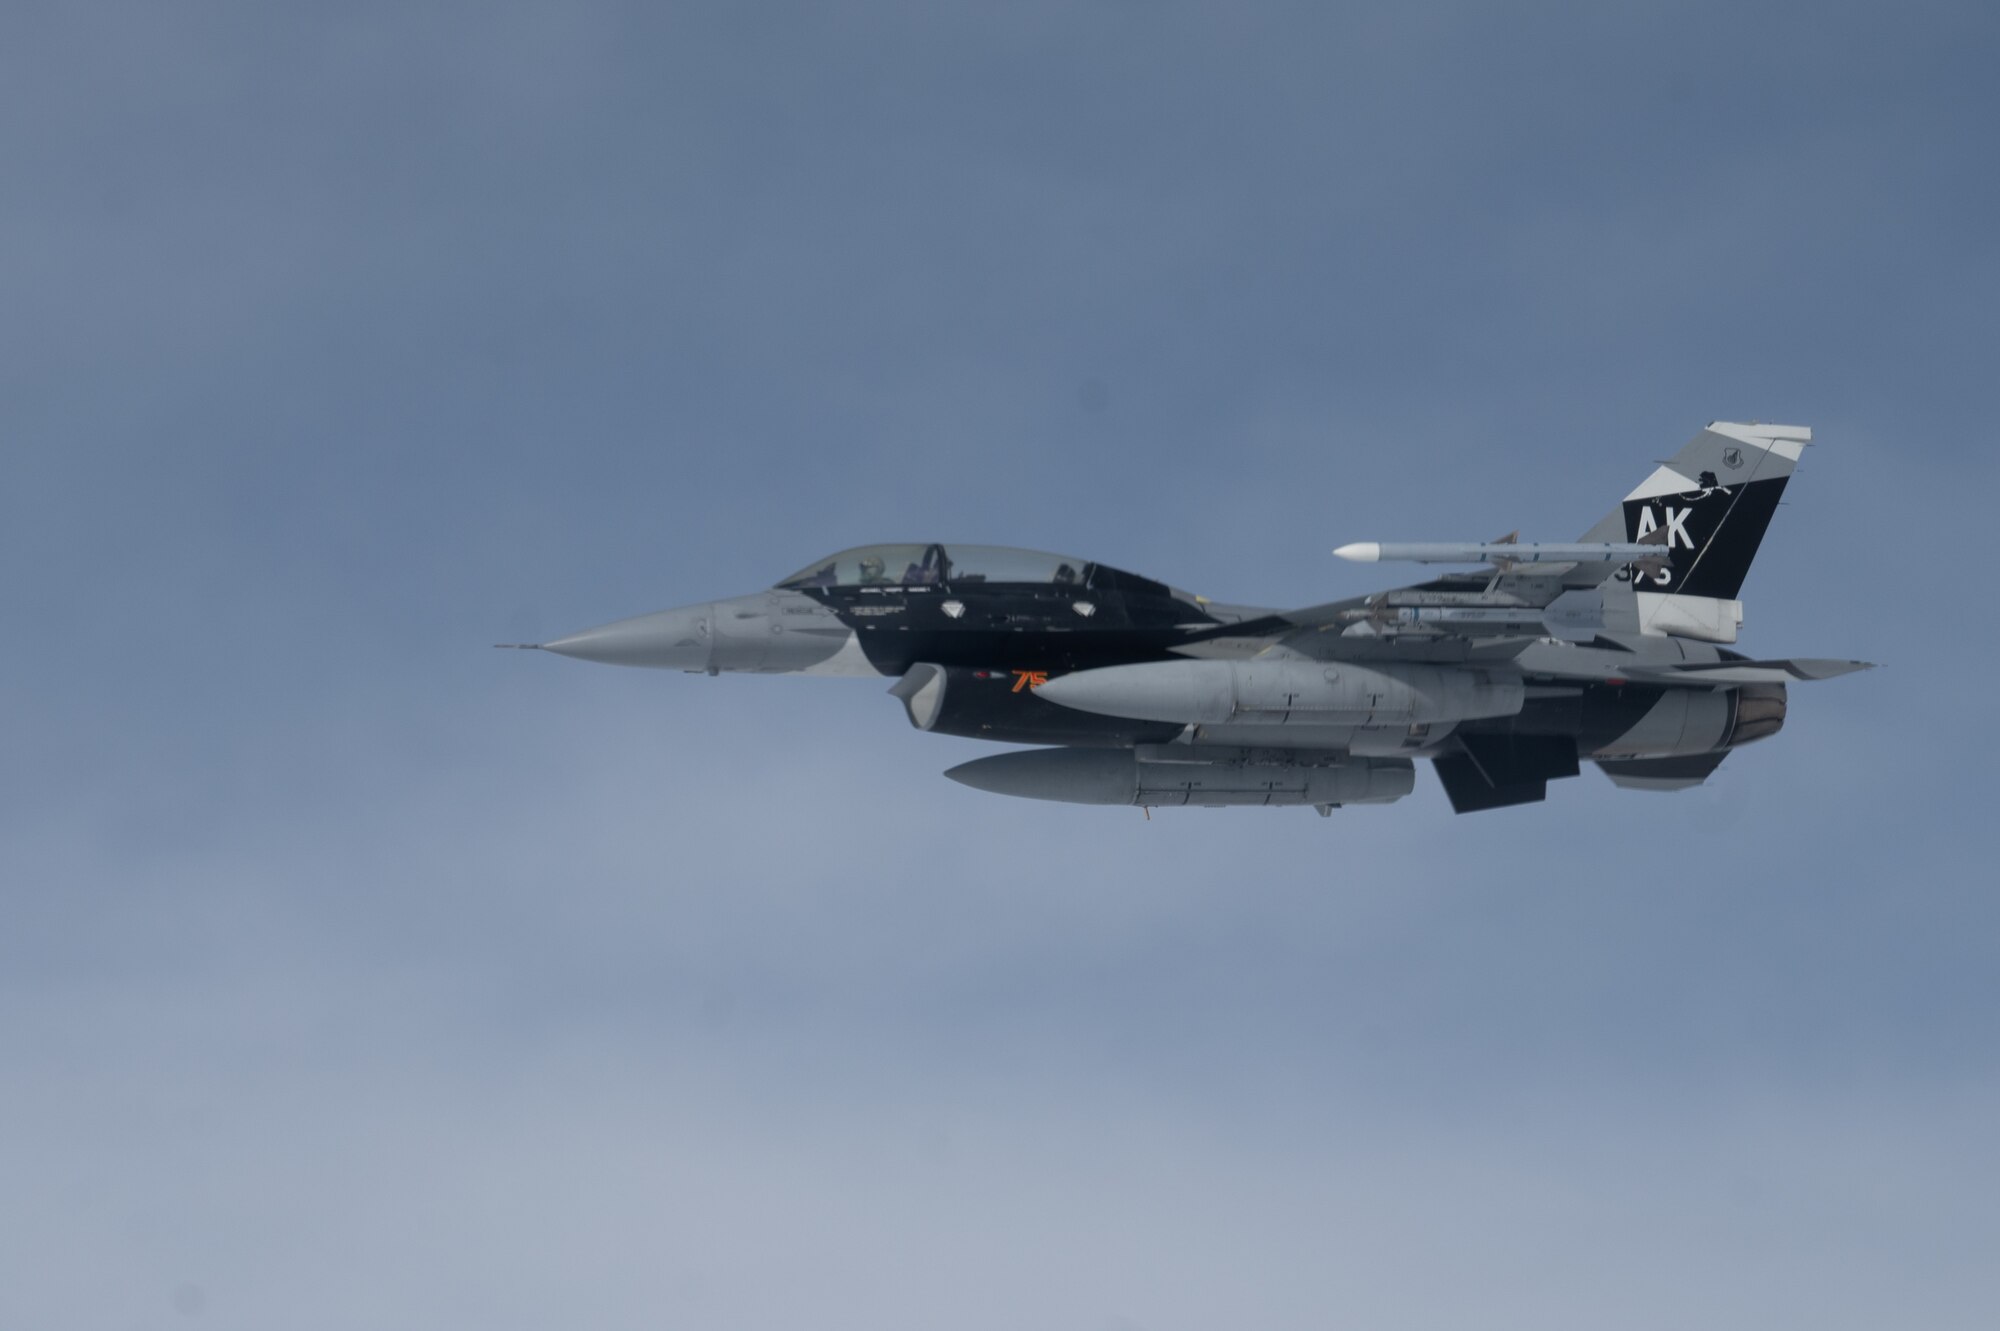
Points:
[356,974]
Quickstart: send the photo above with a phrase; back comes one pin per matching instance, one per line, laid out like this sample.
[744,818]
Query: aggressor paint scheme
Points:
[1611,650]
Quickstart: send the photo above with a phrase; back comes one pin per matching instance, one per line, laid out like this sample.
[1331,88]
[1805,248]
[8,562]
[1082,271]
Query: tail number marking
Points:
[1029,679]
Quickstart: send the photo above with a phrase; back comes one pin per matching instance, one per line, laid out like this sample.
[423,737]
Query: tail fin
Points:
[1713,500]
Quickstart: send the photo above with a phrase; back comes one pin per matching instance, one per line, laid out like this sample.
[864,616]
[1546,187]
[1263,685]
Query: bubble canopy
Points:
[935,565]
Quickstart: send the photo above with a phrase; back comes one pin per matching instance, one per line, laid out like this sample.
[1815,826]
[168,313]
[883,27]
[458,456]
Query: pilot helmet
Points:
[871,566]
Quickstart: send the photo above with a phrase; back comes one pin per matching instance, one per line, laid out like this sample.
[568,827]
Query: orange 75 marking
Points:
[1029,679]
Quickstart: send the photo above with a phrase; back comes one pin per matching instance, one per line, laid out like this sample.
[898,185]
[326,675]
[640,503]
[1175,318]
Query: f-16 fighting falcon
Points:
[1610,650]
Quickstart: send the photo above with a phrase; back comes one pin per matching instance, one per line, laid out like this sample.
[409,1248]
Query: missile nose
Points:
[665,640]
[1361,552]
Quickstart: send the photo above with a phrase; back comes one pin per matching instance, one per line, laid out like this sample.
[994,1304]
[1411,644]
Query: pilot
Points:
[929,573]
[871,571]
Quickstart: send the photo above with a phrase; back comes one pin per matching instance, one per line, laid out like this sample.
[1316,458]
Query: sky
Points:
[353,974]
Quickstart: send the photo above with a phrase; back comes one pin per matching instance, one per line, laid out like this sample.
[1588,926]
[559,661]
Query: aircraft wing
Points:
[1458,617]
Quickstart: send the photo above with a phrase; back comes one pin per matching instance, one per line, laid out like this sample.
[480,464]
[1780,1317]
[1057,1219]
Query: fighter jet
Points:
[1612,650]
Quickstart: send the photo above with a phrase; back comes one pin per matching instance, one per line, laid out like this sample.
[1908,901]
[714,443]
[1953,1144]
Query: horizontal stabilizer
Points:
[1751,672]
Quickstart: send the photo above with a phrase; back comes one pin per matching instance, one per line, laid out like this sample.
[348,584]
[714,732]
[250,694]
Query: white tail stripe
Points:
[1787,441]
[1663,481]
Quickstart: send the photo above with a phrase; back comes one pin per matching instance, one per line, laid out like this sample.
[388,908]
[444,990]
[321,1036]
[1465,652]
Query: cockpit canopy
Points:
[937,565]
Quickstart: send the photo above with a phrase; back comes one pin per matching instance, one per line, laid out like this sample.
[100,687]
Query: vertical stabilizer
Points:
[1713,500]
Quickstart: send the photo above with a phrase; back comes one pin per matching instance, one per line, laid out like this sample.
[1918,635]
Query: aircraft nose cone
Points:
[665,640]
